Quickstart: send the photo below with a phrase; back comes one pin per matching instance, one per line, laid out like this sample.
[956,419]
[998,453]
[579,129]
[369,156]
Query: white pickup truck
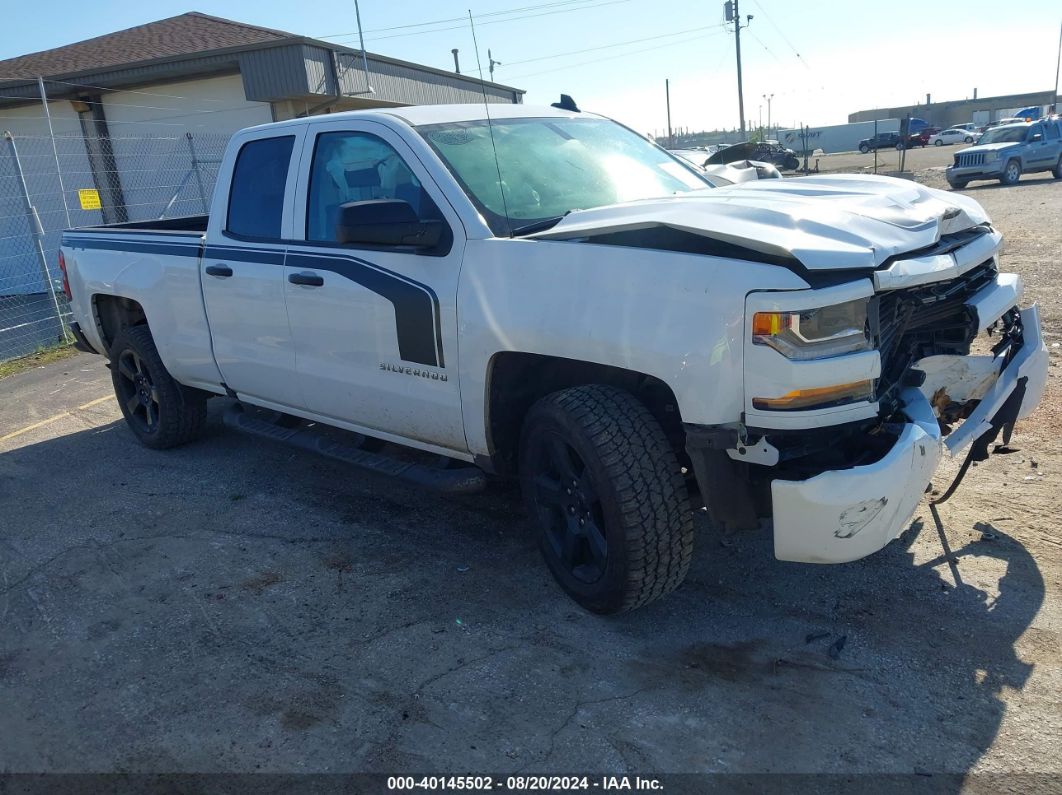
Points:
[546,294]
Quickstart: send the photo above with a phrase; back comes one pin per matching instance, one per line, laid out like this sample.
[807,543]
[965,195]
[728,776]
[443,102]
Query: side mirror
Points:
[386,222]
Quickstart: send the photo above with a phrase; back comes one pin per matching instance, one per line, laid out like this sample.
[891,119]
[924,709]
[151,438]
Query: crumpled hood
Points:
[844,221]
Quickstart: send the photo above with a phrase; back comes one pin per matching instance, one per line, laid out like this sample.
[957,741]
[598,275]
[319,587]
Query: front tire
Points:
[959,184]
[608,498]
[159,411]
[938,142]
[1011,173]
[864,148]
[1056,172]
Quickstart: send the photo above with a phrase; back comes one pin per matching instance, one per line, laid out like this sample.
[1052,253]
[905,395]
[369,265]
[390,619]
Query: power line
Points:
[698,37]
[765,47]
[616,44]
[781,33]
[498,21]
[456,19]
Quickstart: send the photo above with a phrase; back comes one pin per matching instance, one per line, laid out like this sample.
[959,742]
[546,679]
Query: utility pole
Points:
[493,63]
[457,63]
[733,14]
[667,94]
[1058,62]
[768,97]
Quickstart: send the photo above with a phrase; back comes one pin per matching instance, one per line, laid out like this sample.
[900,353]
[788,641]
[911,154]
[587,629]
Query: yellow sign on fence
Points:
[90,199]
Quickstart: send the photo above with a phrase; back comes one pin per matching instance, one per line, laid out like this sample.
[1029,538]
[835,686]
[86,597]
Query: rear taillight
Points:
[66,281]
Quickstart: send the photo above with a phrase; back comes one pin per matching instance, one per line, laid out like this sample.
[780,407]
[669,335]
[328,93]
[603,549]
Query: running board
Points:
[459,480]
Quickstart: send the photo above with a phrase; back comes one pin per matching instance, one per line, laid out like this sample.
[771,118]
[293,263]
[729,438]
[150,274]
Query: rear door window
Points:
[256,196]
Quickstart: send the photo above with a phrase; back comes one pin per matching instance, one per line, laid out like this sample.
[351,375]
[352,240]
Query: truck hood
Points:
[840,222]
[989,147]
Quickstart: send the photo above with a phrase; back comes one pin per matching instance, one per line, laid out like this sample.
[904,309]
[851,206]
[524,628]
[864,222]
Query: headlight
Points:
[814,333]
[991,155]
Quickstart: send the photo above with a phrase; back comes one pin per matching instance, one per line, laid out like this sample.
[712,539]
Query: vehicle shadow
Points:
[234,605]
[1026,179]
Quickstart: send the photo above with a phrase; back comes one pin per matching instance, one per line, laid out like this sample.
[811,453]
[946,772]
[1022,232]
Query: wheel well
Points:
[517,380]
[113,314]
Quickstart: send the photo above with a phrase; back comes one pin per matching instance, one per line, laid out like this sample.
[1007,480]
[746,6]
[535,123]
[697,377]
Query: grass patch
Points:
[44,356]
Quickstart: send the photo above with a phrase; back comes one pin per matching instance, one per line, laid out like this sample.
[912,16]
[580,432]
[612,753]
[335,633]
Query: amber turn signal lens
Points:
[817,397]
[770,324]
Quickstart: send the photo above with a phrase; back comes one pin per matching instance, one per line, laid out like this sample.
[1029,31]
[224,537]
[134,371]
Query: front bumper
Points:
[991,170]
[843,515]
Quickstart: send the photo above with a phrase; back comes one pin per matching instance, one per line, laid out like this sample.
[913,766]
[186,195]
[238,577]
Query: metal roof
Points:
[275,66]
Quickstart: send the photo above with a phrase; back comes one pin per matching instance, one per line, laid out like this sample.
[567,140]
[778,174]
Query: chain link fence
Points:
[50,183]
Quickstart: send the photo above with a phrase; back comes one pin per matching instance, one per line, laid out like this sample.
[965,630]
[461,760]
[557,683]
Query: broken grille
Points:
[911,324]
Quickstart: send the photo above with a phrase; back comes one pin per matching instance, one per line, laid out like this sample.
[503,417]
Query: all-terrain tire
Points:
[161,412]
[623,479]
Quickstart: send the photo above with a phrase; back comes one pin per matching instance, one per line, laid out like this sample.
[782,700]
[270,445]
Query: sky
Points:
[819,60]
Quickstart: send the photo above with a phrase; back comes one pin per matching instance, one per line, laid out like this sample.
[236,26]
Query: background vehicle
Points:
[998,122]
[918,139]
[1007,152]
[730,173]
[546,295]
[884,140]
[757,151]
[951,136]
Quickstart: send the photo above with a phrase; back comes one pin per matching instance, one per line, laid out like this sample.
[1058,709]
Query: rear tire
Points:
[608,498]
[159,411]
[1056,172]
[1011,173]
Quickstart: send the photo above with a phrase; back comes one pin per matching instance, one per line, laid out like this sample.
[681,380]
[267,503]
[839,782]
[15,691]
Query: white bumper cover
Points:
[844,515]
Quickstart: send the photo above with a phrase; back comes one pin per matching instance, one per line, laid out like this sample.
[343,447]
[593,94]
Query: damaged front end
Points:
[952,363]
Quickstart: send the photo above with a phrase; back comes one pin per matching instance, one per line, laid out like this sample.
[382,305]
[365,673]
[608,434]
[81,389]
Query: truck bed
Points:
[185,223]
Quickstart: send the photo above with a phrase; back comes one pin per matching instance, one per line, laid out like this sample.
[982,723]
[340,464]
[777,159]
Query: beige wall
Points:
[214,105]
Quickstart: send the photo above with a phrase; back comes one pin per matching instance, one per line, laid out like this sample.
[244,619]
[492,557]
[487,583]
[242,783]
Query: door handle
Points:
[224,271]
[307,278]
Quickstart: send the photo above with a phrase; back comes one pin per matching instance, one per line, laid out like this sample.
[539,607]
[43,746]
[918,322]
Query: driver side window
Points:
[354,166]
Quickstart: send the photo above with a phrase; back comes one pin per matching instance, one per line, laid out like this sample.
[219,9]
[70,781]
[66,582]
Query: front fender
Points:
[678,317]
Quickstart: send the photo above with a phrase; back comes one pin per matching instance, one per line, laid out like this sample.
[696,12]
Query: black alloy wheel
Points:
[160,412]
[569,506]
[137,393]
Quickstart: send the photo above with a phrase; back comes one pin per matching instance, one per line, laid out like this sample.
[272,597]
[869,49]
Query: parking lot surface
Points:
[237,606]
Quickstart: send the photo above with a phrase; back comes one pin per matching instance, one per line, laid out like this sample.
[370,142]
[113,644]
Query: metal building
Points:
[959,111]
[136,124]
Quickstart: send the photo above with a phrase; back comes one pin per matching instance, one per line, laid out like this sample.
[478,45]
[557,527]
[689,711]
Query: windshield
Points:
[550,166]
[1004,135]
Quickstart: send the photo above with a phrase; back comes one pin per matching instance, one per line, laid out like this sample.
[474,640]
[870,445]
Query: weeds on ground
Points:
[43,355]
